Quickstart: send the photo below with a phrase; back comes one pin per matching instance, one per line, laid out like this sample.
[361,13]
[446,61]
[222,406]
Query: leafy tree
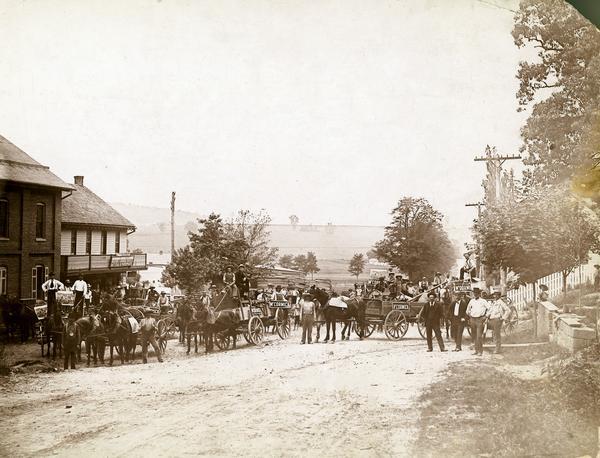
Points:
[357,264]
[562,82]
[306,263]
[300,263]
[311,266]
[218,244]
[549,232]
[416,241]
[287,261]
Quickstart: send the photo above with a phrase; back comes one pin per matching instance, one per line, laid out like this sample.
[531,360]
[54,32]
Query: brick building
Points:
[31,198]
[94,240]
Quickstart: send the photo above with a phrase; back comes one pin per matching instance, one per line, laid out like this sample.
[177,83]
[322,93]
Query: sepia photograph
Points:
[298,228]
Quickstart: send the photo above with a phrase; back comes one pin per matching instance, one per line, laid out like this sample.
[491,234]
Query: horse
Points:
[53,327]
[226,323]
[92,332]
[185,314]
[120,334]
[331,315]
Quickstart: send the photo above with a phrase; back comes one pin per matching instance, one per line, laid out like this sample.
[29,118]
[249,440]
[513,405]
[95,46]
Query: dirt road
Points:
[344,399]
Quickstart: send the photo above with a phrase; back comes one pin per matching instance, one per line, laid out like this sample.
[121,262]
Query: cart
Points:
[255,317]
[393,317]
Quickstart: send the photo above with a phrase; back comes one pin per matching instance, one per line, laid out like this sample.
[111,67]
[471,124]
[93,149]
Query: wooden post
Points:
[172,225]
[535,307]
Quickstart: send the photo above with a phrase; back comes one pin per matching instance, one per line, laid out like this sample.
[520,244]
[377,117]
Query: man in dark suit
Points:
[458,314]
[432,313]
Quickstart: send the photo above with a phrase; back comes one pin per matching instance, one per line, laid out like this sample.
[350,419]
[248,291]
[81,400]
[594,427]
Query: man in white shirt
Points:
[50,287]
[497,312]
[307,316]
[80,289]
[477,311]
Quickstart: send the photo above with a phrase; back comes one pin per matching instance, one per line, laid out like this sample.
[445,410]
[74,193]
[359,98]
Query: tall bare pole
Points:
[480,266]
[172,225]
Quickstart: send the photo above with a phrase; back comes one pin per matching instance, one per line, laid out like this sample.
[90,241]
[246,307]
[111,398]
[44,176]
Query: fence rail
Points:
[524,294]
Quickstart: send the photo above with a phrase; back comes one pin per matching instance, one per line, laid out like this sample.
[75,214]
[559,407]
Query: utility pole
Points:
[172,225]
[494,164]
[480,266]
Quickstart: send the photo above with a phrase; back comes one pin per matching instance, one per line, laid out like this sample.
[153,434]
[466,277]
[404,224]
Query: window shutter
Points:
[34,283]
[46,274]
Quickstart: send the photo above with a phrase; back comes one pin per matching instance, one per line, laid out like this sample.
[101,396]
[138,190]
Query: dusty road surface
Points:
[350,398]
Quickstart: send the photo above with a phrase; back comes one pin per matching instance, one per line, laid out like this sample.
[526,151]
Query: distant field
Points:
[336,242]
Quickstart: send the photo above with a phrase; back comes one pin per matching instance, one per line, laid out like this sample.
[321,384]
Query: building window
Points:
[3,281]
[4,218]
[103,242]
[88,242]
[40,221]
[118,242]
[73,241]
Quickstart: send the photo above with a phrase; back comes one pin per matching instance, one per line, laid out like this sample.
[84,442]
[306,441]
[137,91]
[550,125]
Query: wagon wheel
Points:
[222,340]
[369,328]
[256,330]
[161,335]
[511,322]
[282,323]
[395,325]
[421,328]
[171,327]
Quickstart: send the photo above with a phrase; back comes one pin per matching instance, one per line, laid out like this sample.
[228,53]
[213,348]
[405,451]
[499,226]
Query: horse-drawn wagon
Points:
[393,317]
[254,318]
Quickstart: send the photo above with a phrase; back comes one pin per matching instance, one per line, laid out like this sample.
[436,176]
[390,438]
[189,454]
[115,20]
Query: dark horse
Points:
[190,325]
[92,332]
[120,334]
[331,315]
[17,316]
[53,328]
[226,324]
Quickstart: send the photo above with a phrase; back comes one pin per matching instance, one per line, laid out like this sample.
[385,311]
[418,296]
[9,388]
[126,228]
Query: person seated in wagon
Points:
[229,281]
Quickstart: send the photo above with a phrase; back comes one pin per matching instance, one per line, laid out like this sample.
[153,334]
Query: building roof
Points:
[86,208]
[18,166]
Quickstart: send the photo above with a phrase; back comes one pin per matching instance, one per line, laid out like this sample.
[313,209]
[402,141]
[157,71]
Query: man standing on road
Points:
[497,312]
[477,311]
[209,327]
[307,317]
[50,288]
[432,313]
[148,329]
[459,319]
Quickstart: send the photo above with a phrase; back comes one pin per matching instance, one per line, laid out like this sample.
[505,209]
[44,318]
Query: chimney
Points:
[78,179]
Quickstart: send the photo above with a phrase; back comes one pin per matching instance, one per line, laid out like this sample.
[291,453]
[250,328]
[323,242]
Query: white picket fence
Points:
[580,276]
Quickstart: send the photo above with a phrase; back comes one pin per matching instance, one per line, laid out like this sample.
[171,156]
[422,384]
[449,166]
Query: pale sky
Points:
[331,110]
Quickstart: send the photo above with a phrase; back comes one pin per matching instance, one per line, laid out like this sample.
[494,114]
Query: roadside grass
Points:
[479,410]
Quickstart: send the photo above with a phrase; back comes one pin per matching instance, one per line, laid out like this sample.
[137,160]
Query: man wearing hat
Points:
[432,314]
[477,311]
[458,312]
[242,281]
[50,287]
[497,312]
[307,316]
[148,328]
